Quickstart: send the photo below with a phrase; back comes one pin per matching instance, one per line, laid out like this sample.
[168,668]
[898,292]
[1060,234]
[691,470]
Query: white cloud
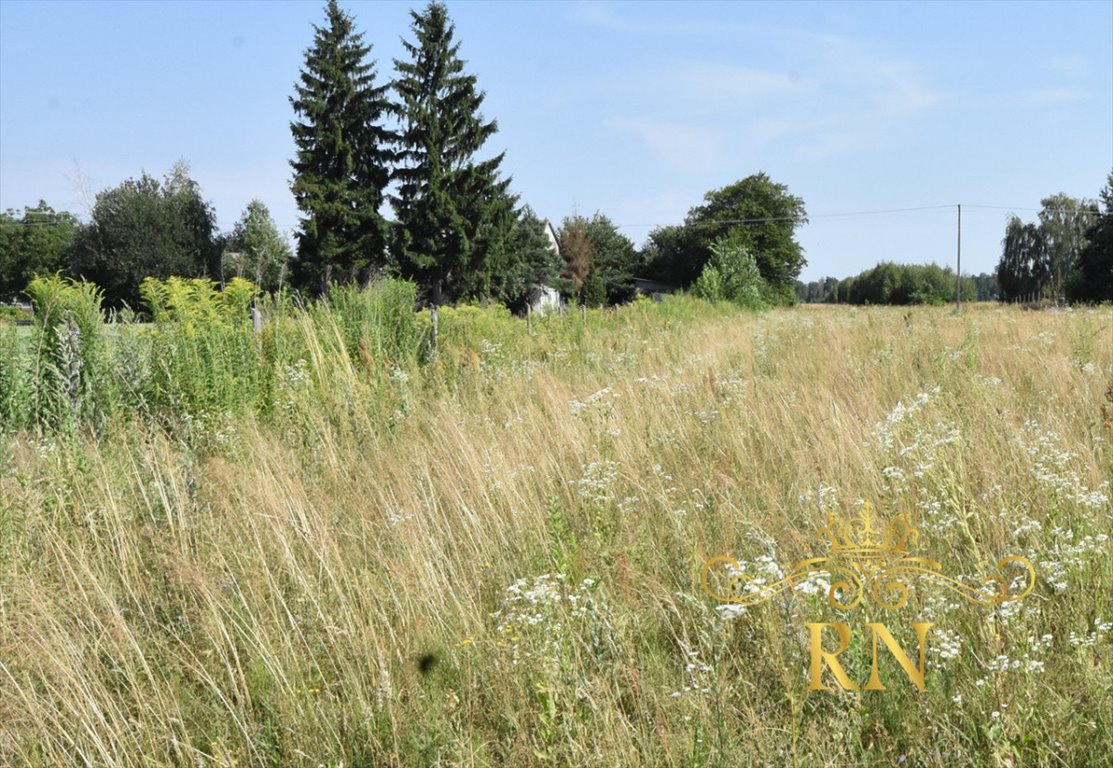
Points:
[824,95]
[679,146]
[901,92]
[726,82]
[1050,97]
[1071,64]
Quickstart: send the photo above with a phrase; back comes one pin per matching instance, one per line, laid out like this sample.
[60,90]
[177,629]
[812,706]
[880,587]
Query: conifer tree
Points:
[452,210]
[521,263]
[343,158]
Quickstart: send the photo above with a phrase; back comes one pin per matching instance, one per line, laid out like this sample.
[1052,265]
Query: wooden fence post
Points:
[434,315]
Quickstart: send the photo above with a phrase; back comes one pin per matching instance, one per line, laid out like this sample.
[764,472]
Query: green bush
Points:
[732,275]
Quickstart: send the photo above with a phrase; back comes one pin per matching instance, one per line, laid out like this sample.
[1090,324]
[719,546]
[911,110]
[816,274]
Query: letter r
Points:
[819,656]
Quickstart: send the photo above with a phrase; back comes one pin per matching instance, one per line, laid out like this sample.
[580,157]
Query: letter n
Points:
[819,656]
[914,674]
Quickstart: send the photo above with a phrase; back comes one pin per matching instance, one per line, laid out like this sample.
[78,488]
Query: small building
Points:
[544,298]
[653,289]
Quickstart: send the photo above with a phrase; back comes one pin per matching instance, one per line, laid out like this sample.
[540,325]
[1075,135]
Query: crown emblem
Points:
[866,536]
[867,556]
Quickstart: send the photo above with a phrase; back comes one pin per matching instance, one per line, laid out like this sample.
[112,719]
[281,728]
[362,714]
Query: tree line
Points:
[414,145]
[899,284]
[145,227]
[1065,255]
[389,180]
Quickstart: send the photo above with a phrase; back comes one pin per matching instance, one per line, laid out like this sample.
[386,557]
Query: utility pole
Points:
[958,265]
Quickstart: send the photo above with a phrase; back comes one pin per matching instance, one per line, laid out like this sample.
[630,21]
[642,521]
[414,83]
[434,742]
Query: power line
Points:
[1085,209]
[802,219]
[754,220]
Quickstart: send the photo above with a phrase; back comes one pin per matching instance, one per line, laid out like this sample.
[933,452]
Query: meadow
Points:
[330,544]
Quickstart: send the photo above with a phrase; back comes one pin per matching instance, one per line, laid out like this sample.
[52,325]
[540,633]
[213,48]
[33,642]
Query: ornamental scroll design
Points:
[867,558]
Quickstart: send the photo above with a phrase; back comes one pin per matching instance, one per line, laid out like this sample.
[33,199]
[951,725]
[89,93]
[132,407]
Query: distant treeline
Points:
[1066,255]
[889,283]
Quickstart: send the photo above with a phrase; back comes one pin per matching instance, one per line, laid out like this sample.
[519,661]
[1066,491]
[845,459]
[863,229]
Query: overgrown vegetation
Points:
[341,548]
[199,360]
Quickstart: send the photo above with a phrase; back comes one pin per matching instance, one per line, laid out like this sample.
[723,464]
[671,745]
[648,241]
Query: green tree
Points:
[31,244]
[615,259]
[523,263]
[986,287]
[343,160]
[1024,267]
[1064,222]
[757,214]
[904,284]
[1094,277]
[452,210]
[823,291]
[674,255]
[256,250]
[144,228]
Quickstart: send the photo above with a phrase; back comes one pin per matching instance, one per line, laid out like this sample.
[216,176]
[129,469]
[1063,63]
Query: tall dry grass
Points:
[492,558]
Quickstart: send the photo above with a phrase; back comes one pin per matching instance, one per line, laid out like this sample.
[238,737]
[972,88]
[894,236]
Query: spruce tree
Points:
[452,210]
[343,158]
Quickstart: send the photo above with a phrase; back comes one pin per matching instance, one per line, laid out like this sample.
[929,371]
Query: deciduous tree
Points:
[757,214]
[256,249]
[146,228]
[32,243]
[1023,267]
[1094,279]
[1064,222]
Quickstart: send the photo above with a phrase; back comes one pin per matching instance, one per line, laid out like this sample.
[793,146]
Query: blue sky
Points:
[632,109]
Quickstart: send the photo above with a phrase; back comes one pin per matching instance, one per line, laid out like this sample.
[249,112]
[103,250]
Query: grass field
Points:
[491,556]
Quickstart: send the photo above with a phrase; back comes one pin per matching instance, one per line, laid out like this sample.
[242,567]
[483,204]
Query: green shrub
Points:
[732,275]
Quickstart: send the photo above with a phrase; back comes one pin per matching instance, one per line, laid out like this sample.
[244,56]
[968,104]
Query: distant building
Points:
[551,234]
[653,289]
[544,298]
